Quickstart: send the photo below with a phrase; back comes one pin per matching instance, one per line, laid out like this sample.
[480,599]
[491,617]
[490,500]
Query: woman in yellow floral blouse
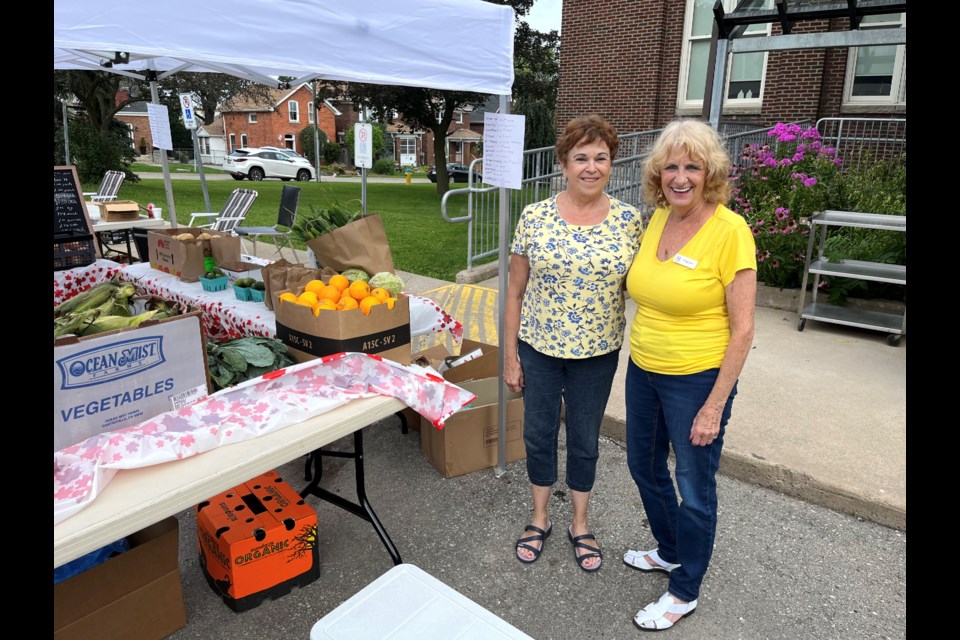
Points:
[565,323]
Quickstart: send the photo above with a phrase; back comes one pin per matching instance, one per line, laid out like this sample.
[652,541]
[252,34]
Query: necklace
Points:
[671,241]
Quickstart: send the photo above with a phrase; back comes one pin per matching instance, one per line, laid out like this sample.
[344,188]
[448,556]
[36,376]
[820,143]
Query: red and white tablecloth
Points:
[224,316]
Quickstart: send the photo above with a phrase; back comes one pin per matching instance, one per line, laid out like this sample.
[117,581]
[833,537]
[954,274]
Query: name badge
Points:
[684,261]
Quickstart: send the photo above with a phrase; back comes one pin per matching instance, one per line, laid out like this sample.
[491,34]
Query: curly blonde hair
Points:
[701,142]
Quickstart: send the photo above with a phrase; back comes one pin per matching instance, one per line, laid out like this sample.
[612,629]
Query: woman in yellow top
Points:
[695,284]
[564,326]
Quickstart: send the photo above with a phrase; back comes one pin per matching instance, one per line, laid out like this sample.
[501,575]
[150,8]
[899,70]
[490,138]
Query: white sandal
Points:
[635,559]
[651,617]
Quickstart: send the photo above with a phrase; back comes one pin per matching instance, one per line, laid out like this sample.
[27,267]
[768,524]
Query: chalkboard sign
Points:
[69,210]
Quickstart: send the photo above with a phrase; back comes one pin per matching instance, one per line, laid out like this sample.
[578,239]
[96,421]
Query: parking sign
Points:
[186,107]
[363,145]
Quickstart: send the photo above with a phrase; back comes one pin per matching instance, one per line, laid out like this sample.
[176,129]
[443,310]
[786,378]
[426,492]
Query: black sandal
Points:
[594,552]
[541,536]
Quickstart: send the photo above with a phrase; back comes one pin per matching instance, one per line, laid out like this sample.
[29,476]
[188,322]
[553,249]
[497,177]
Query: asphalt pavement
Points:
[811,540]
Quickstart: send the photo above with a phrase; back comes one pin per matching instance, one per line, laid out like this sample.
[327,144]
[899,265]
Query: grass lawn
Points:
[421,241]
[174,167]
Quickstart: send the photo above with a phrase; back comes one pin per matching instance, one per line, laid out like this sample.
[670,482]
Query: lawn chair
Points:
[109,187]
[289,200]
[232,214]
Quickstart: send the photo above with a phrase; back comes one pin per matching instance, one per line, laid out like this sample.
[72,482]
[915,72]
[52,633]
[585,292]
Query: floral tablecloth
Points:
[271,402]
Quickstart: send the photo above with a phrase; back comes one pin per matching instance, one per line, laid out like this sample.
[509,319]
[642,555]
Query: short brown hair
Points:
[701,142]
[584,130]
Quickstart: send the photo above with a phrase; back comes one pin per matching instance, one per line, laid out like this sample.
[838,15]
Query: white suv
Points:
[257,163]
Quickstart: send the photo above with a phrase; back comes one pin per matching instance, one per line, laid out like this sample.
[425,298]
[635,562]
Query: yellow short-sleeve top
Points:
[682,325]
[573,306]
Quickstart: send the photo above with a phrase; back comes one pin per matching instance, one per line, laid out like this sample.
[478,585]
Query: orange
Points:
[340,282]
[359,289]
[288,296]
[348,302]
[329,292]
[314,285]
[380,294]
[366,303]
[324,303]
[390,302]
[308,298]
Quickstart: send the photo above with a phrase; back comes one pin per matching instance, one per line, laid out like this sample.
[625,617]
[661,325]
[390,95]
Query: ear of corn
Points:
[109,323]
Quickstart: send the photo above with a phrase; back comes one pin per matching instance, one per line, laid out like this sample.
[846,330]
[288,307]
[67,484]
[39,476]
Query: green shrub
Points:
[384,167]
[331,152]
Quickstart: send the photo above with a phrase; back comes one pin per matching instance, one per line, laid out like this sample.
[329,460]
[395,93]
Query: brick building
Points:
[641,63]
[278,121]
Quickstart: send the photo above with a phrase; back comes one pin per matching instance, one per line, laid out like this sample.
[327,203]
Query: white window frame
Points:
[730,105]
[252,118]
[293,111]
[243,141]
[458,117]
[898,85]
[233,142]
[311,112]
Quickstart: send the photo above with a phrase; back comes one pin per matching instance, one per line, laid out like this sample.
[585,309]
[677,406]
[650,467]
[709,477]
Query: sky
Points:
[545,15]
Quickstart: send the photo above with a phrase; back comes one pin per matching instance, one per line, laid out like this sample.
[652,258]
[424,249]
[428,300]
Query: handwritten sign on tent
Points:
[69,210]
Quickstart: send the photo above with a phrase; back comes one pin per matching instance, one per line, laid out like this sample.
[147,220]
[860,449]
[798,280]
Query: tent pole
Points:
[66,133]
[168,188]
[504,265]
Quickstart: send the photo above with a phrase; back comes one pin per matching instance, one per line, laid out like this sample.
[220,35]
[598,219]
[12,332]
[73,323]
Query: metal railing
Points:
[858,140]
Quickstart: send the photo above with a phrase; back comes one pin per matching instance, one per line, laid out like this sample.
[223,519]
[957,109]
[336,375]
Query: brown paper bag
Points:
[275,277]
[362,244]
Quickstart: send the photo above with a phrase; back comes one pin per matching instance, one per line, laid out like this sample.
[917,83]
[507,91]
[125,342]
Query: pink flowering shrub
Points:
[776,187]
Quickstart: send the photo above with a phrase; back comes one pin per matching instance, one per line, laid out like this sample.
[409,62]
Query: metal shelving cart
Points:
[893,324]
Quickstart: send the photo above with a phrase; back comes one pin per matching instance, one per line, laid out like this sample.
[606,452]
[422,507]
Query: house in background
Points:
[134,115]
[656,54]
[279,121]
[212,139]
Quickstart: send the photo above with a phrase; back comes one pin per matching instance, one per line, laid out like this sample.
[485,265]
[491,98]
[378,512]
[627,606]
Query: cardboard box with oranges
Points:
[310,334]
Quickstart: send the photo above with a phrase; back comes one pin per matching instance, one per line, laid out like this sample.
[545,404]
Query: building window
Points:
[458,117]
[293,108]
[243,140]
[878,74]
[252,118]
[233,142]
[289,142]
[745,71]
[407,148]
[311,109]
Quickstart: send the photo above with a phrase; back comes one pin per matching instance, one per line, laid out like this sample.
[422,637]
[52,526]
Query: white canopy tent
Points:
[458,45]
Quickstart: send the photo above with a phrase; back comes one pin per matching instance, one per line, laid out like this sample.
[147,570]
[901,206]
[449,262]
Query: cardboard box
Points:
[470,439]
[384,331]
[135,595]
[184,259]
[240,269]
[256,541]
[118,378]
[117,210]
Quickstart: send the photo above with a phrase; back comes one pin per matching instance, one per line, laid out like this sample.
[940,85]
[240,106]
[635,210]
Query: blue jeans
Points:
[660,413]
[582,386]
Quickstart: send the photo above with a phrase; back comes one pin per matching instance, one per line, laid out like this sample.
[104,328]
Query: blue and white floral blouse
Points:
[573,306]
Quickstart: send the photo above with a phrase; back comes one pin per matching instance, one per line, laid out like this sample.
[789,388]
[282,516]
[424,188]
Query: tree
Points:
[307,143]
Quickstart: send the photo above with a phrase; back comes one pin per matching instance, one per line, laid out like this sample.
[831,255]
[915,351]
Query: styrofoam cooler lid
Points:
[407,603]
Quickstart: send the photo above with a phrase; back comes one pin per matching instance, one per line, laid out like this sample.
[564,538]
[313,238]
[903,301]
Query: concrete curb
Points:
[790,482]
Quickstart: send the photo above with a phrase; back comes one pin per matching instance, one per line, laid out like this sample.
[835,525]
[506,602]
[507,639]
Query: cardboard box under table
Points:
[470,439]
[117,210]
[119,378]
[257,540]
[384,332]
[185,258]
[135,595]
